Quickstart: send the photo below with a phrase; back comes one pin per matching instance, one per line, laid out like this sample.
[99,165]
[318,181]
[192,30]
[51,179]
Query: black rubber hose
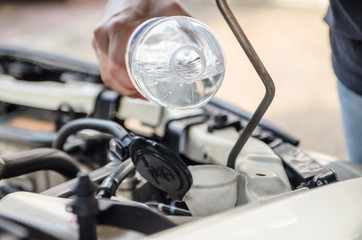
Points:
[109,185]
[72,127]
[64,189]
[17,164]
[168,209]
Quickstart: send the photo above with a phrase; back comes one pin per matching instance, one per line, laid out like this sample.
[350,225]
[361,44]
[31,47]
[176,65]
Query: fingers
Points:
[109,44]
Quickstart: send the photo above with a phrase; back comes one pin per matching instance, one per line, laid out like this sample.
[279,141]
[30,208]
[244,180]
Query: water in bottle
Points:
[176,62]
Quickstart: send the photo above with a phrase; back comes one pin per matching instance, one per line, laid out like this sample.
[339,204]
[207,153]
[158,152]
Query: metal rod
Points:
[263,74]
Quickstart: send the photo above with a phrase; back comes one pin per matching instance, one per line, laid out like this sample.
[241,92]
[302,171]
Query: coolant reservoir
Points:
[176,62]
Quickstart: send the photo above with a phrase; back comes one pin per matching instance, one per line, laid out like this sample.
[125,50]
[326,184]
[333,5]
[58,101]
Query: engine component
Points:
[220,121]
[133,216]
[110,184]
[34,208]
[175,137]
[18,230]
[107,105]
[98,175]
[85,206]
[217,105]
[168,209]
[87,123]
[53,66]
[304,171]
[65,113]
[37,159]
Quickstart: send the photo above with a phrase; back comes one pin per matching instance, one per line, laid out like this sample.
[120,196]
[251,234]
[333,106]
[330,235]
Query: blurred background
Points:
[289,36]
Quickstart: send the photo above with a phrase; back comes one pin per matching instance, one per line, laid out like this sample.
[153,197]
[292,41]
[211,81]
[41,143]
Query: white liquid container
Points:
[176,62]
[214,189]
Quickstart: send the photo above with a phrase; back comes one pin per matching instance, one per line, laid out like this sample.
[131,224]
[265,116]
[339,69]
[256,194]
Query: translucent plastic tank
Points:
[176,62]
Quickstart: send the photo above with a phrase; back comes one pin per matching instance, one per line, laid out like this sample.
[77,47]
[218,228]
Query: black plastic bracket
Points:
[222,121]
[107,105]
[303,170]
[176,132]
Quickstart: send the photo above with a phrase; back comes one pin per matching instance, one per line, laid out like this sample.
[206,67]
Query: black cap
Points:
[161,167]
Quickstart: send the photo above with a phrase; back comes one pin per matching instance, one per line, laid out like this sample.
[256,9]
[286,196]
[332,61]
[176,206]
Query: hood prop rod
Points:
[263,74]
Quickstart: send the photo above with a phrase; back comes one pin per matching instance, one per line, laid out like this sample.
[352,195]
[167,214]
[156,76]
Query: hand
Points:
[121,17]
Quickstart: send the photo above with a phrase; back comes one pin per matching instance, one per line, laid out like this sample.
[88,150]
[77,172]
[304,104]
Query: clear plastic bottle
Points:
[175,61]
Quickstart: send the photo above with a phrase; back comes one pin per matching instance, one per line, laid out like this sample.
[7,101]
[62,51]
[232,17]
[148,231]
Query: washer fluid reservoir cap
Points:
[161,167]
